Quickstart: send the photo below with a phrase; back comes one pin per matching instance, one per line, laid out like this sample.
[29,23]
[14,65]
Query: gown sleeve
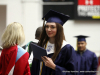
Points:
[68,67]
[35,67]
[94,64]
[27,70]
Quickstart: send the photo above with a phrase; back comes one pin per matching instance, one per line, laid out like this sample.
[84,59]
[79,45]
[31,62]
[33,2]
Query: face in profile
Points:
[81,45]
[51,29]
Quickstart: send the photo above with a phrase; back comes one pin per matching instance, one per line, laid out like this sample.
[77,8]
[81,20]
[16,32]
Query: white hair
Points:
[13,35]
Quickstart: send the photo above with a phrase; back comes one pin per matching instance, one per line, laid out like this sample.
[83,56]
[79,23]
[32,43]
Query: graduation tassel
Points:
[76,44]
[43,23]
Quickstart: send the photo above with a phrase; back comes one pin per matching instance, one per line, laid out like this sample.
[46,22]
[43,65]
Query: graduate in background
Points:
[37,36]
[87,61]
[60,59]
[27,47]
[14,59]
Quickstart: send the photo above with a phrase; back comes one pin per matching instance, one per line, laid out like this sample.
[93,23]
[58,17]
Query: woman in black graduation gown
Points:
[61,55]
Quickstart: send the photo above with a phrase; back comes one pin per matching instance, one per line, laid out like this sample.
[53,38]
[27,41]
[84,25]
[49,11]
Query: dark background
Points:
[68,9]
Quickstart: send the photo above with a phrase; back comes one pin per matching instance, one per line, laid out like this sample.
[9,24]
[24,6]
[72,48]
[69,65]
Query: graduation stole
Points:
[76,44]
[28,46]
[28,52]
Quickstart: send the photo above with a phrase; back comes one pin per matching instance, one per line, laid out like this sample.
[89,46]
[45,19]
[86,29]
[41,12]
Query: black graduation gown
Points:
[86,63]
[65,63]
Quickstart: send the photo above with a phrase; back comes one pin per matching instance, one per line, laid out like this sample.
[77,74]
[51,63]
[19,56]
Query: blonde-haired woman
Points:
[14,59]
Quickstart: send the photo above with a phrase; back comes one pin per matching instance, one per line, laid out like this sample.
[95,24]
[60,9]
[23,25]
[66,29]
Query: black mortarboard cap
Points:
[57,17]
[81,37]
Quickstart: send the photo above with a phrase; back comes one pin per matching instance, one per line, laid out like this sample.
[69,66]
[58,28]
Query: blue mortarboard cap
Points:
[54,16]
[81,37]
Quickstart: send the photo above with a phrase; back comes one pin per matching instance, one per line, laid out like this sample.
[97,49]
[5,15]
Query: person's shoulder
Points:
[33,42]
[21,50]
[24,47]
[66,47]
[91,53]
[65,44]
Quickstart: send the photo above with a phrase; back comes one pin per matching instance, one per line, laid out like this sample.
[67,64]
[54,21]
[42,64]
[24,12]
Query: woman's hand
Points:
[48,62]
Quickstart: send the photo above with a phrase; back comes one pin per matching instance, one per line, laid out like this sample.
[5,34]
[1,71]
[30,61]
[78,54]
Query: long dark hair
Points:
[58,40]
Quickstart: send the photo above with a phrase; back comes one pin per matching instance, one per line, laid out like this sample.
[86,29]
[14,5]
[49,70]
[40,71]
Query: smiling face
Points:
[81,45]
[51,29]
